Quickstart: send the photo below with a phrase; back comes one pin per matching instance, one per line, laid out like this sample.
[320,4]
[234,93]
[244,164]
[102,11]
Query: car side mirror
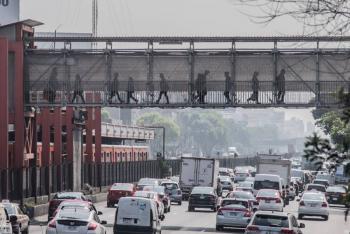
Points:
[103,222]
[13,219]
[301,225]
[99,213]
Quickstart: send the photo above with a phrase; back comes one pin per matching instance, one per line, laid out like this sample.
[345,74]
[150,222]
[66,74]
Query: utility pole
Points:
[94,21]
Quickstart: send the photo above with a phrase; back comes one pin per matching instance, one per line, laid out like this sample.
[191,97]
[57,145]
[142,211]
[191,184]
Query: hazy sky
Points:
[159,17]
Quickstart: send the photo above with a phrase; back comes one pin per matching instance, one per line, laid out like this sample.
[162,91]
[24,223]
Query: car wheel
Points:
[25,231]
[169,209]
[180,203]
[300,217]
[219,228]
[325,218]
[215,208]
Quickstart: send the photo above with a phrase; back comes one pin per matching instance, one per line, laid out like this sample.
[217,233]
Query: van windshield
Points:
[266,184]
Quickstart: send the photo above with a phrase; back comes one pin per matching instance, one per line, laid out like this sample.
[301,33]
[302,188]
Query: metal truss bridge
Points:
[315,69]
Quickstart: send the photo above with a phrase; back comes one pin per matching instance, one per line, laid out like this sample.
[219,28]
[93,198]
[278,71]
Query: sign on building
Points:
[9,11]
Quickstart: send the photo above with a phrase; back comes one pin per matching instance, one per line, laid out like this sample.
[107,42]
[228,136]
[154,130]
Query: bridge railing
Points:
[183,93]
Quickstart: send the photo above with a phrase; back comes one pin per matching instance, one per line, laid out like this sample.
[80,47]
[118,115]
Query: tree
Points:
[331,16]
[105,117]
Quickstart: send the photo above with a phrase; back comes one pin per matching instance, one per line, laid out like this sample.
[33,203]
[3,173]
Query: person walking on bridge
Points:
[201,86]
[281,86]
[78,89]
[164,88]
[52,86]
[131,90]
[114,89]
[255,88]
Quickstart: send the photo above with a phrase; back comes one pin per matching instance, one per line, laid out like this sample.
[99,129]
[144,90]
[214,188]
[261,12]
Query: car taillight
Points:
[278,200]
[92,226]
[258,199]
[220,212]
[287,231]
[302,203]
[252,228]
[52,224]
[247,214]
[324,204]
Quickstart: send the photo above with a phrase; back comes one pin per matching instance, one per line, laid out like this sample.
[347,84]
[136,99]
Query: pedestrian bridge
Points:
[316,68]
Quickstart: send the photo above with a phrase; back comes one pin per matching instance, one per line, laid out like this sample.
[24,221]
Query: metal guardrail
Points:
[126,132]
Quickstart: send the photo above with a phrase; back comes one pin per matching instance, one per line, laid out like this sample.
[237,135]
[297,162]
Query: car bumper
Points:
[335,200]
[176,198]
[124,229]
[313,211]
[271,207]
[238,222]
[196,205]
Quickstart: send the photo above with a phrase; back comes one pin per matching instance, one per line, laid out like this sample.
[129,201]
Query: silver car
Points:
[273,222]
[76,220]
[313,204]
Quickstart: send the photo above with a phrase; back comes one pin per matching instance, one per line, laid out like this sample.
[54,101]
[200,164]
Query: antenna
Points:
[94,21]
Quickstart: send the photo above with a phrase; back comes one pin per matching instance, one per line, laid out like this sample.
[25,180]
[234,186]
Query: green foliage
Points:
[105,117]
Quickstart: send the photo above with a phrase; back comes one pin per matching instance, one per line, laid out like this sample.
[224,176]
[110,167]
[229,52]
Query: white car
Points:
[76,220]
[313,204]
[270,199]
[5,225]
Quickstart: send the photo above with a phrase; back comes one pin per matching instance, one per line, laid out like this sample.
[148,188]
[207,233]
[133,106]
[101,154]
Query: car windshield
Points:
[225,178]
[320,182]
[267,193]
[271,220]
[336,189]
[74,213]
[266,184]
[170,186]
[234,202]
[203,190]
[67,196]
[9,208]
[124,187]
[147,181]
[313,196]
[316,187]
[244,195]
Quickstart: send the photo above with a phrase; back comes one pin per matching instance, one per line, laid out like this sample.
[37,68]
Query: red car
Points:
[118,190]
[60,197]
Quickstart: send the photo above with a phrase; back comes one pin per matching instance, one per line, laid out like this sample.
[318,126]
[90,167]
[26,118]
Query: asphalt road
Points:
[179,221]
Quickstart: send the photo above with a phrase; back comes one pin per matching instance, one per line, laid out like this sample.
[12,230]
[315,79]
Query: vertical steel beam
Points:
[149,83]
[233,92]
[4,108]
[318,84]
[191,75]
[108,77]
[57,160]
[275,71]
[45,154]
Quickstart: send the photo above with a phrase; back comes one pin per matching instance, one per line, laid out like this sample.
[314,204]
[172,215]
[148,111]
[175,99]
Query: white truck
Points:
[280,167]
[196,171]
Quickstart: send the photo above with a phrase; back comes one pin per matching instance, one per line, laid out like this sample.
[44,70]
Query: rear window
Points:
[202,190]
[245,184]
[144,194]
[148,181]
[74,213]
[267,193]
[234,202]
[336,189]
[67,196]
[266,184]
[244,195]
[271,221]
[313,196]
[125,187]
[10,209]
[316,187]
[170,186]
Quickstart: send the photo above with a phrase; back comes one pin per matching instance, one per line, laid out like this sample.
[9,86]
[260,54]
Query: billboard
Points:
[9,11]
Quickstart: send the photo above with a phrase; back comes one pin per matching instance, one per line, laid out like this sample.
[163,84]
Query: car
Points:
[173,190]
[234,213]
[320,181]
[136,215]
[270,199]
[315,187]
[245,189]
[63,196]
[203,197]
[292,190]
[19,220]
[244,195]
[76,220]
[77,204]
[118,190]
[335,195]
[160,190]
[264,222]
[5,222]
[248,184]
[267,181]
[153,196]
[241,174]
[250,179]
[146,181]
[225,183]
[313,204]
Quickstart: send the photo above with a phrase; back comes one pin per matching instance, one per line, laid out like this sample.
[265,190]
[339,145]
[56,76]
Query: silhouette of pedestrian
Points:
[347,212]
[228,87]
[255,88]
[52,86]
[281,86]
[78,89]
[114,89]
[150,86]
[131,90]
[201,86]
[164,88]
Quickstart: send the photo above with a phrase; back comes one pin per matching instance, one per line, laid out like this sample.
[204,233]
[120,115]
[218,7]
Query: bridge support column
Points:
[77,152]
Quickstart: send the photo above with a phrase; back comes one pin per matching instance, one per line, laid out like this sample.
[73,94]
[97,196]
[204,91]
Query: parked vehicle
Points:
[19,220]
[173,190]
[136,215]
[5,224]
[146,181]
[153,196]
[160,190]
[313,204]
[63,196]
[76,220]
[315,187]
[270,199]
[264,222]
[203,197]
[119,190]
[319,181]
[198,172]
[335,195]
[234,213]
[267,181]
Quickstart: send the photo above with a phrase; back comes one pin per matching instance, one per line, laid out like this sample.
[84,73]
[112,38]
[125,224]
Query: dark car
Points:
[19,220]
[118,190]
[63,196]
[203,197]
[335,195]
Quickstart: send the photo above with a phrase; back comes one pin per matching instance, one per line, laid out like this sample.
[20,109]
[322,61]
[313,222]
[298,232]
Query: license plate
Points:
[335,199]
[267,201]
[72,228]
[127,221]
[313,205]
[233,214]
